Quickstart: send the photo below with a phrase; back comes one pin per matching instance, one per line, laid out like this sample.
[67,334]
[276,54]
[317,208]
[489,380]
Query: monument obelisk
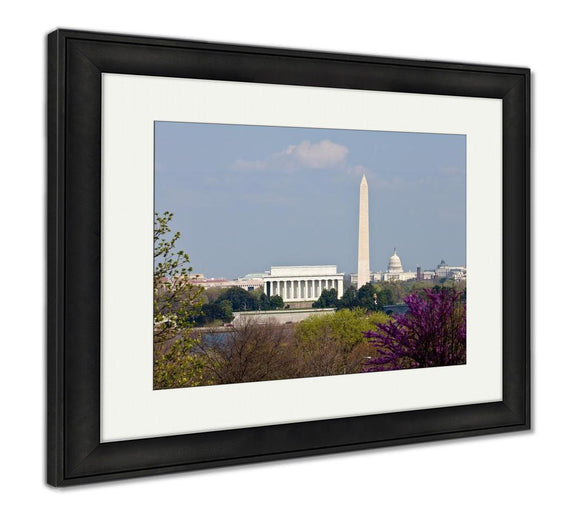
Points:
[363,276]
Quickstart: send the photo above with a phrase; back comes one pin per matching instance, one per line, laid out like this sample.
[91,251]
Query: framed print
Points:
[259,253]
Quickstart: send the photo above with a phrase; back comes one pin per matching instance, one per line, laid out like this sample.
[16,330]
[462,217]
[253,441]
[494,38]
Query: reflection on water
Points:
[215,337]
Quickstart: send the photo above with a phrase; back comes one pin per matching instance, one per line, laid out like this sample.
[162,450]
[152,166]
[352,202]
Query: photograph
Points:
[288,252]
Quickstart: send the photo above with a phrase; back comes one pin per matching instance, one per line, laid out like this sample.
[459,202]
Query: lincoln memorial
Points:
[302,283]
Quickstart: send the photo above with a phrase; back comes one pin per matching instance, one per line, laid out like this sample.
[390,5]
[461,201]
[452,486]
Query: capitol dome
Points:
[395,265]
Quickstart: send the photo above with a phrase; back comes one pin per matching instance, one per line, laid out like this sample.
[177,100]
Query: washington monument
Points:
[363,276]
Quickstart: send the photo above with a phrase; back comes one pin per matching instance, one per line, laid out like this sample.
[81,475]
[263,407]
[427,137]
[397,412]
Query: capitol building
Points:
[394,272]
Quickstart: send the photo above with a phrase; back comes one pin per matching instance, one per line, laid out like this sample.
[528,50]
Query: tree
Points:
[349,298]
[212,294]
[258,300]
[346,326]
[334,343]
[367,297]
[175,300]
[276,302]
[176,297]
[264,302]
[431,334]
[212,312]
[370,297]
[328,299]
[240,299]
[180,366]
[248,352]
[392,292]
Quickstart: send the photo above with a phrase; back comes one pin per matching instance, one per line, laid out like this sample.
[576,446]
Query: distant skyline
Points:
[249,197]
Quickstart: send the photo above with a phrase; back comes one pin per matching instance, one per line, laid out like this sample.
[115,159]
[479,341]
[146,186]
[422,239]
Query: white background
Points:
[537,468]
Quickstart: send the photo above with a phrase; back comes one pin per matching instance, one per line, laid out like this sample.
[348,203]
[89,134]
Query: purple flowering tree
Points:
[431,334]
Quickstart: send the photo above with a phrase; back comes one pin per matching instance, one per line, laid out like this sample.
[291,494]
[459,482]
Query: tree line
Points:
[219,305]
[375,296]
[332,344]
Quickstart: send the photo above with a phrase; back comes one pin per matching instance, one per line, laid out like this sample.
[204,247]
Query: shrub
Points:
[431,334]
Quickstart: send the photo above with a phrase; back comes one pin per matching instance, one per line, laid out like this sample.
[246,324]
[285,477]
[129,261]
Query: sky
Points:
[246,198]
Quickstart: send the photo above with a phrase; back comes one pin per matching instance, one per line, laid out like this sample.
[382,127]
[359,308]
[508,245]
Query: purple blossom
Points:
[431,334]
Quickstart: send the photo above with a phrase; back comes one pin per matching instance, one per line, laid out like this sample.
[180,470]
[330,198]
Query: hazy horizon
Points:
[246,198]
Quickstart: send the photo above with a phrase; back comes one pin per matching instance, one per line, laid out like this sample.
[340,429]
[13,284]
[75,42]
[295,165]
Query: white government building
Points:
[302,283]
[395,270]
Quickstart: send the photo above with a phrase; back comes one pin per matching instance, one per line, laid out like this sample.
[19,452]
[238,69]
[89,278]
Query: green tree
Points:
[240,299]
[334,343]
[367,297]
[370,297]
[264,302]
[214,312]
[176,296]
[328,299]
[383,296]
[349,298]
[176,299]
[180,366]
[276,302]
[227,311]
[212,294]
[393,292]
[345,326]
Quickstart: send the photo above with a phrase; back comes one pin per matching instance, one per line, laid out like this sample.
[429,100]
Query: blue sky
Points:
[249,197]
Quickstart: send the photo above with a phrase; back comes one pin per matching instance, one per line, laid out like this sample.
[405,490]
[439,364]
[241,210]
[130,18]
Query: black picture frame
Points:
[75,62]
